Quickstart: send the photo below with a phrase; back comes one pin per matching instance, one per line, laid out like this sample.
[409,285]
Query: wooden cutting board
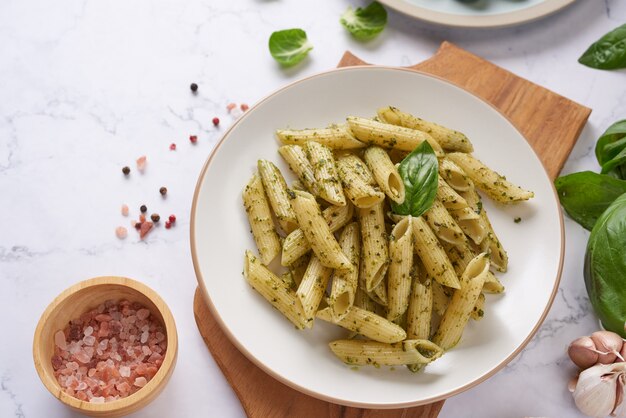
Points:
[551,124]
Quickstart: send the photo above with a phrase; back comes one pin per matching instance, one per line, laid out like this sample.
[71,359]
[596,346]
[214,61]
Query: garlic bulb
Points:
[600,390]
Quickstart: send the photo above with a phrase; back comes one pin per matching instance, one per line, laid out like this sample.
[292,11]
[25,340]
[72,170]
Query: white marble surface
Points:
[88,86]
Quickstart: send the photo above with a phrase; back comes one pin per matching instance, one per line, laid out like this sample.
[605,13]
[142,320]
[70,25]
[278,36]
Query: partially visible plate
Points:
[477,13]
[301,359]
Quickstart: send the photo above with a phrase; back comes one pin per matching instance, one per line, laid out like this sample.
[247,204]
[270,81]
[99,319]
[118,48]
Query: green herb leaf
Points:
[608,52]
[289,46]
[586,195]
[419,172]
[611,150]
[605,267]
[365,22]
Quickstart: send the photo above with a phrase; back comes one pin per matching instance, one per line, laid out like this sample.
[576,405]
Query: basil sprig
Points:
[420,173]
[608,52]
[289,46]
[365,22]
[605,267]
[586,195]
[611,150]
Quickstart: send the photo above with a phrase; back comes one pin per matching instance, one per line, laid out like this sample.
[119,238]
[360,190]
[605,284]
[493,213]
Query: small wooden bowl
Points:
[81,298]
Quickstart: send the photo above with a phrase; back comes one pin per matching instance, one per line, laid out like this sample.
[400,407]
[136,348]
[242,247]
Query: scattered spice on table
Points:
[230,107]
[124,209]
[193,139]
[143,208]
[172,218]
[109,352]
[121,232]
[244,107]
[193,87]
[216,121]
[168,224]
[517,220]
[146,226]
[155,217]
[126,170]
[141,163]
[172,146]
[163,191]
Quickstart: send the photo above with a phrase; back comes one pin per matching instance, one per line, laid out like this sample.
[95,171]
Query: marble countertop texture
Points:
[88,86]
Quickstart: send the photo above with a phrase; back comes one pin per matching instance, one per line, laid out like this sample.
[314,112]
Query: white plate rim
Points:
[486,21]
[207,299]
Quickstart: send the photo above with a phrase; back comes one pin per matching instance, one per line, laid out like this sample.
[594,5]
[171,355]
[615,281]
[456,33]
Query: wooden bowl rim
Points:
[154,384]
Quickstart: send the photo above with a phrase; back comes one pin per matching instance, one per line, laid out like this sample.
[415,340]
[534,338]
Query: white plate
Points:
[220,235]
[479,13]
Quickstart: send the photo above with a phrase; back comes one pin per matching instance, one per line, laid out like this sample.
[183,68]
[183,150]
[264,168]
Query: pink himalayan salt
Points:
[121,232]
[116,364]
[145,228]
[124,209]
[141,163]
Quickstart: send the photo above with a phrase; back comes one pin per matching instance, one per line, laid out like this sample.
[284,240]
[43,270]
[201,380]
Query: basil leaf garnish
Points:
[605,267]
[289,46]
[608,52]
[420,174]
[365,22]
[586,195]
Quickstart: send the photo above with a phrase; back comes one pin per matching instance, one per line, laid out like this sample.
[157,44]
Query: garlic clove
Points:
[608,345]
[571,385]
[582,351]
[596,391]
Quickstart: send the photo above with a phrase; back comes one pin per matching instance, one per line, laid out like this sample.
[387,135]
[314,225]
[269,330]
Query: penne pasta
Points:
[461,255]
[432,254]
[385,173]
[345,282]
[296,159]
[296,244]
[497,254]
[317,231]
[462,303]
[325,170]
[311,289]
[449,139]
[353,174]
[442,223]
[361,353]
[420,310]
[478,312]
[276,189]
[367,324]
[398,274]
[273,290]
[375,246]
[385,135]
[298,268]
[363,301]
[449,197]
[334,137]
[260,219]
[497,187]
[441,297]
[454,175]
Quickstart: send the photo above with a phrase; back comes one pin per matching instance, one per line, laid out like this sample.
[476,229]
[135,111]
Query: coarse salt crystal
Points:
[125,209]
[59,340]
[140,381]
[97,399]
[144,337]
[121,232]
[89,340]
[143,314]
[124,371]
[230,107]
[141,163]
[88,331]
[81,386]
[146,350]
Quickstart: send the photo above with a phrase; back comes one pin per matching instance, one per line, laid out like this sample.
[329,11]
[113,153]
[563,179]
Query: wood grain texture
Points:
[264,397]
[551,124]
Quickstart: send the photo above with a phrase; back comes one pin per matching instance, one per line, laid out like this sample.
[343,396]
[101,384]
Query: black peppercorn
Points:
[163,191]
[143,208]
[155,217]
[194,87]
[126,170]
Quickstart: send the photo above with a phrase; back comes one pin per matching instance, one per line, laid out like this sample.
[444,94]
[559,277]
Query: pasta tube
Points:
[398,274]
[335,137]
[449,197]
[454,175]
[449,139]
[433,255]
[272,289]
[368,324]
[311,289]
[353,174]
[372,132]
[260,219]
[497,187]
[296,244]
[323,162]
[345,282]
[461,255]
[385,173]
[462,303]
[317,231]
[276,189]
[361,353]
[442,224]
[375,247]
[296,159]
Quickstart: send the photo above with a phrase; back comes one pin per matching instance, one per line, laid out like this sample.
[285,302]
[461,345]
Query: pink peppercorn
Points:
[244,107]
[172,218]
[216,121]
[172,147]
[193,139]
[230,106]
[168,224]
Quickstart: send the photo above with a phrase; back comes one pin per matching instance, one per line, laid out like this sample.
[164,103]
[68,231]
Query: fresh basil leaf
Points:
[611,142]
[616,164]
[365,22]
[608,52]
[586,195]
[289,46]
[420,174]
[605,267]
